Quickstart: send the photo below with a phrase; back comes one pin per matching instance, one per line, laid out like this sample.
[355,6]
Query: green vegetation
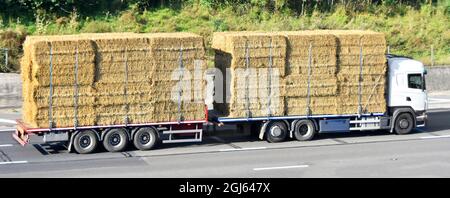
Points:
[412,28]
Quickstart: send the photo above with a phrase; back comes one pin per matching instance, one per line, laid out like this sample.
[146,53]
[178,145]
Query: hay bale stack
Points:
[334,72]
[167,76]
[252,92]
[373,71]
[36,79]
[319,48]
[121,75]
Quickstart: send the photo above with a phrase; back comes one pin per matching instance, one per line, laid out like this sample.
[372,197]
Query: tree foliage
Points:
[29,8]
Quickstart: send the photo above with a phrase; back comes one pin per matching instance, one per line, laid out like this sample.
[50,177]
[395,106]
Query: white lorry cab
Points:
[407,95]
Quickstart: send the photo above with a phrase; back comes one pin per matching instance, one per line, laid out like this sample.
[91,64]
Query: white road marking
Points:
[8,121]
[242,149]
[439,99]
[5,145]
[280,167]
[7,130]
[435,137]
[13,162]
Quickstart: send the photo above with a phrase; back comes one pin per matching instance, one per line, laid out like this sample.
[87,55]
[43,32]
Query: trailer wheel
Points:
[404,123]
[304,130]
[276,132]
[115,140]
[145,138]
[85,142]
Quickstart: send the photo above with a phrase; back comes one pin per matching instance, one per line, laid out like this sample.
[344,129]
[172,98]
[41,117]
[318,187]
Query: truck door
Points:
[415,94]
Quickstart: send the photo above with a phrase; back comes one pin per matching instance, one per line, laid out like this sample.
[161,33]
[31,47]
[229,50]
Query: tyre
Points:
[115,140]
[304,130]
[85,142]
[145,138]
[276,132]
[404,124]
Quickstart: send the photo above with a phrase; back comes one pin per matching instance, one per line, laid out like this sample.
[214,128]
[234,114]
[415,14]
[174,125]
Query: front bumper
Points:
[421,120]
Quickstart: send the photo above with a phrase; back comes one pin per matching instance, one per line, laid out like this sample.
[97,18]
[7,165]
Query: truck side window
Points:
[415,81]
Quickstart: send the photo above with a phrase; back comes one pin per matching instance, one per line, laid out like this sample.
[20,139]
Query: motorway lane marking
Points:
[5,145]
[242,149]
[7,130]
[280,167]
[438,99]
[13,162]
[8,121]
[435,137]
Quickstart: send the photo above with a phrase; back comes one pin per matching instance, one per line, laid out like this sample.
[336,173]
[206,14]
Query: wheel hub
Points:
[404,124]
[303,130]
[275,131]
[115,139]
[85,141]
[144,139]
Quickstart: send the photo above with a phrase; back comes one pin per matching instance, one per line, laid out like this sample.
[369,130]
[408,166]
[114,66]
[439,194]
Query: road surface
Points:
[424,153]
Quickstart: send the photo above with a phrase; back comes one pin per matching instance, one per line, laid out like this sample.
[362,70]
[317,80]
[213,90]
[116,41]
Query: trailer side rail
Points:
[225,119]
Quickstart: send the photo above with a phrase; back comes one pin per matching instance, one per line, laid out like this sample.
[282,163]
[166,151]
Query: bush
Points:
[97,27]
[12,40]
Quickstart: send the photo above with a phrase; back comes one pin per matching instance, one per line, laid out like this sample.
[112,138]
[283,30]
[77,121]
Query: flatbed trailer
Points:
[115,138]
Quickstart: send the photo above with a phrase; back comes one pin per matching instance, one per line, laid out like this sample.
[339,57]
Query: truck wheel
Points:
[85,142]
[145,138]
[404,123]
[115,140]
[276,132]
[304,130]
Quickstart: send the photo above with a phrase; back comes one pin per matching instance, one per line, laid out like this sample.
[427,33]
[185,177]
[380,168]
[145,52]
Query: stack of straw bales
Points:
[333,75]
[122,78]
[252,90]
[319,49]
[373,76]
[36,80]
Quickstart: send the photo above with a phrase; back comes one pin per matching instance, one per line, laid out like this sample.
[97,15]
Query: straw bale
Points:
[354,78]
[297,85]
[326,71]
[354,37]
[63,122]
[64,80]
[37,91]
[366,88]
[175,55]
[366,50]
[366,69]
[60,46]
[367,60]
[64,112]
[65,101]
[236,42]
[318,105]
[305,38]
[324,51]
[260,62]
